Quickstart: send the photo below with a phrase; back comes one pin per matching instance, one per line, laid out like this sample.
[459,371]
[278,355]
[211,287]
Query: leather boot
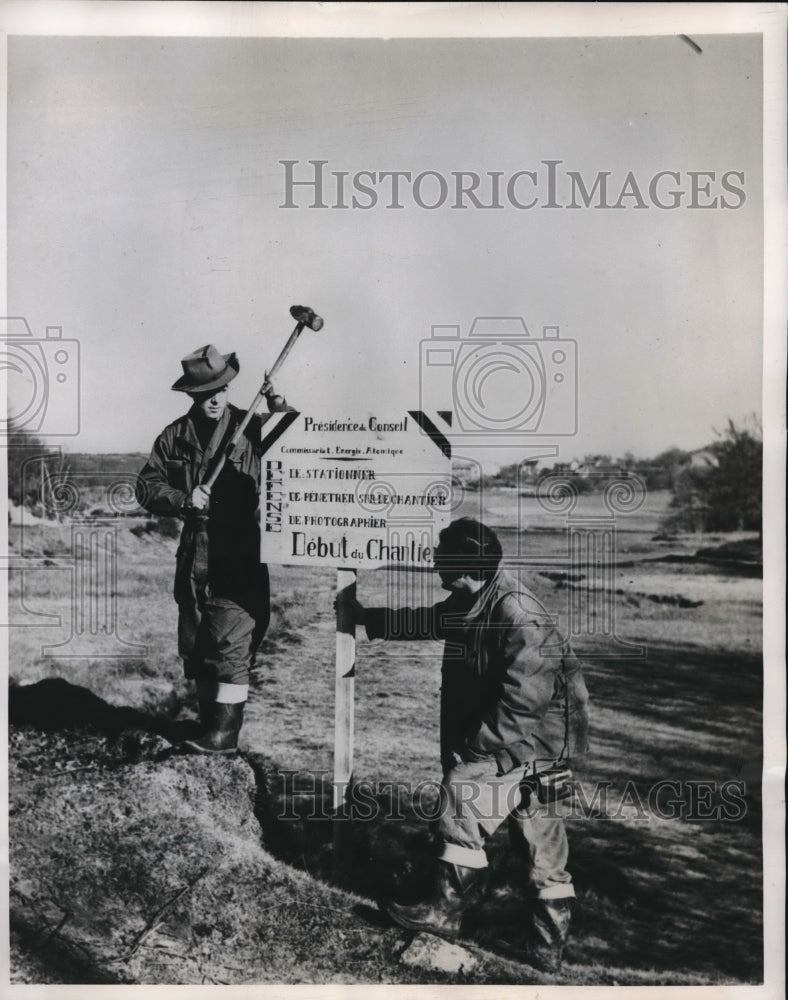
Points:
[542,946]
[455,890]
[224,725]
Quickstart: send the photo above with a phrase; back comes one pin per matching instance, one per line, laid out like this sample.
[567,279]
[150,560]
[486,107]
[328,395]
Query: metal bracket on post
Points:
[343,714]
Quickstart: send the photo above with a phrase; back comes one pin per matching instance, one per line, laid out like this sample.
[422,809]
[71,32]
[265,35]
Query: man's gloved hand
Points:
[351,609]
[199,498]
[276,403]
[452,758]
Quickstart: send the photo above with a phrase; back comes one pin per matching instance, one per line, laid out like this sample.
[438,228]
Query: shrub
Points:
[732,490]
[167,527]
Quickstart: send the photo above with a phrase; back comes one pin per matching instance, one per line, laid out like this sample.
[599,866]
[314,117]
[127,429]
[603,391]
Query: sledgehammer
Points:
[304,316]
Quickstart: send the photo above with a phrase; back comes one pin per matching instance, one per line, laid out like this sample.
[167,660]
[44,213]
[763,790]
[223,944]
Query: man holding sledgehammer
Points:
[204,468]
[513,714]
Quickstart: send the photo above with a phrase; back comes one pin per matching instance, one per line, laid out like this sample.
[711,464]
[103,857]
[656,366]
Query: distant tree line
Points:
[593,472]
[716,488]
[30,462]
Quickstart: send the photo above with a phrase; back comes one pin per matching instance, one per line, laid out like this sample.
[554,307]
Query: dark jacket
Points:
[221,549]
[511,686]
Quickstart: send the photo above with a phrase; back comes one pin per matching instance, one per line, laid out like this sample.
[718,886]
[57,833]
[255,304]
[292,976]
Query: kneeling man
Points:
[513,713]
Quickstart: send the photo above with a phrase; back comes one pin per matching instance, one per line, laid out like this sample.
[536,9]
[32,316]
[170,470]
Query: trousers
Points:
[218,637]
[477,800]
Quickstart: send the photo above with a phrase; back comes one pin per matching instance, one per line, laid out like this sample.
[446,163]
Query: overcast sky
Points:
[145,218]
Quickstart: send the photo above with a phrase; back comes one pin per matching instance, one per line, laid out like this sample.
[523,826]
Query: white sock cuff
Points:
[561,890]
[231,694]
[468,857]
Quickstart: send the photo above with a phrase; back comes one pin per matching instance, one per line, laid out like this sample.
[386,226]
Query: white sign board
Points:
[353,492]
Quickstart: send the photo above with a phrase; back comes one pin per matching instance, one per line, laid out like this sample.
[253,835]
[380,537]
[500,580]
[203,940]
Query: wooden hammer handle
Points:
[256,402]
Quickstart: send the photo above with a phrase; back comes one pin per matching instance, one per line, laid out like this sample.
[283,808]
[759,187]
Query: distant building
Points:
[467,471]
[702,458]
[528,471]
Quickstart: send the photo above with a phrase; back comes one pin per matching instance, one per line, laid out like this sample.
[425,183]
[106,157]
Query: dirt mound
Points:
[134,856]
[132,863]
[152,871]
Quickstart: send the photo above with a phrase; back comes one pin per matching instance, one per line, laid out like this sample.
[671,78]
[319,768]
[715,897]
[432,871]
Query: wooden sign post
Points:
[352,493]
[344,706]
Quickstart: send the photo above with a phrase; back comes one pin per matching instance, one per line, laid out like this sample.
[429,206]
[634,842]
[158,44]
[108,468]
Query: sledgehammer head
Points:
[307,317]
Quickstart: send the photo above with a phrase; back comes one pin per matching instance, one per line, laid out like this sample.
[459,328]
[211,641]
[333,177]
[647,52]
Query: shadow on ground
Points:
[55,705]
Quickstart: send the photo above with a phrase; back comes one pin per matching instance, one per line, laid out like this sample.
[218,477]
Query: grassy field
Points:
[666,895]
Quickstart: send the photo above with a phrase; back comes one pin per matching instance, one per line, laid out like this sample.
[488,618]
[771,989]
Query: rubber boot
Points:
[455,890]
[224,725]
[206,713]
[542,946]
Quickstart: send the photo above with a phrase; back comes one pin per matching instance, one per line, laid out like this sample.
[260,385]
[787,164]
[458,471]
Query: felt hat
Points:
[206,369]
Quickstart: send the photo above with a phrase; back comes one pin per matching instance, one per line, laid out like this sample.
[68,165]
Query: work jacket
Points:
[219,549]
[511,687]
